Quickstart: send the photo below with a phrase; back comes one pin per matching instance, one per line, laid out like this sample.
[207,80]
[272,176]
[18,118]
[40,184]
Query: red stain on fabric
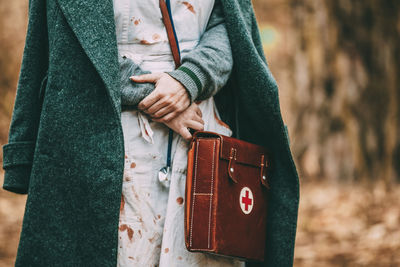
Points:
[189,6]
[151,240]
[130,233]
[121,208]
[136,21]
[179,258]
[133,165]
[144,42]
[124,227]
[179,200]
[158,216]
[127,178]
[131,258]
[140,233]
[156,37]
[134,193]
[166,250]
[126,156]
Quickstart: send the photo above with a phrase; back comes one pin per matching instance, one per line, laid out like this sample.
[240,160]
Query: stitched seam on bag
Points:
[194,193]
[212,187]
[202,249]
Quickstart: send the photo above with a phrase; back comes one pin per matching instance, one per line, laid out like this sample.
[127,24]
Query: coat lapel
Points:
[93,23]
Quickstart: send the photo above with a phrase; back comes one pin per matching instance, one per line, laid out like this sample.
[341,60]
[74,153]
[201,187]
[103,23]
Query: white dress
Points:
[151,223]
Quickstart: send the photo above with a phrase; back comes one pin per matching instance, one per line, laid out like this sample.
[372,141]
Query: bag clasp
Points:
[232,163]
[263,174]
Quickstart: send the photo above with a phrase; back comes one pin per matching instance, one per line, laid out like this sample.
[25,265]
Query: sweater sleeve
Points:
[207,67]
[204,70]
[132,93]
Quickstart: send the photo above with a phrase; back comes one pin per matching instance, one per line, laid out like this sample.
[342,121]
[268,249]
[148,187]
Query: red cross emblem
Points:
[246,200]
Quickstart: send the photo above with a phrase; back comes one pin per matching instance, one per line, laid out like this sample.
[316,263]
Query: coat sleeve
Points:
[18,152]
[207,67]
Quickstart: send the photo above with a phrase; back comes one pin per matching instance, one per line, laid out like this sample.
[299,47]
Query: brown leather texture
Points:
[226,197]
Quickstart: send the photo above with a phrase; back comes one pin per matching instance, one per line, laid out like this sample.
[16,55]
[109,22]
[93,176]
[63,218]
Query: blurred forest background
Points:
[337,63]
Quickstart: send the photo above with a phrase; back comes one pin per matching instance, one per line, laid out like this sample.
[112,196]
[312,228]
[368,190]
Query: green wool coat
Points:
[66,146]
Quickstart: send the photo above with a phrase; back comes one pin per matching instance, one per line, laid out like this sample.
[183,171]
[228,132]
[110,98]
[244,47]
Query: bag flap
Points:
[246,153]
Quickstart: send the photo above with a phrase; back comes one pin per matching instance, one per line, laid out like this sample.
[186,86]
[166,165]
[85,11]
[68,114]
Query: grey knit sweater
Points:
[203,72]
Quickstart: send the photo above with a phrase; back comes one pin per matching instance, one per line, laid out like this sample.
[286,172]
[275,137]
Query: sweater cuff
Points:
[191,77]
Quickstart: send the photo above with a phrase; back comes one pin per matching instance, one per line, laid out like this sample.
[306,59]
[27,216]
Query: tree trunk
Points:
[339,84]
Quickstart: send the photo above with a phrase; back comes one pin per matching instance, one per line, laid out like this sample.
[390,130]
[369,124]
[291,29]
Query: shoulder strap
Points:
[169,26]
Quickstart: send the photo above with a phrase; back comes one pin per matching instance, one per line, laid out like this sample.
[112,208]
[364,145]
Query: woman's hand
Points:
[189,118]
[168,99]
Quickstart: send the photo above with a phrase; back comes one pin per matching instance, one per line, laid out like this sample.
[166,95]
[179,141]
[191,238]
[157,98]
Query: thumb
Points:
[146,78]
[185,133]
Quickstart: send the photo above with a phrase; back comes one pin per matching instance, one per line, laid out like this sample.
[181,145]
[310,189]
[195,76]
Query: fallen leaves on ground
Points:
[348,225]
[339,225]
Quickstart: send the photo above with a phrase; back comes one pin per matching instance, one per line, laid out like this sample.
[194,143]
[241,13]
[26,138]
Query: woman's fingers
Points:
[169,103]
[149,100]
[198,119]
[195,125]
[181,123]
[184,132]
[161,112]
[196,109]
[158,105]
[169,97]
[198,112]
[170,116]
[146,78]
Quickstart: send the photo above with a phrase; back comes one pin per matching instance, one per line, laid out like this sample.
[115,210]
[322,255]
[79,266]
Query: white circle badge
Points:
[246,200]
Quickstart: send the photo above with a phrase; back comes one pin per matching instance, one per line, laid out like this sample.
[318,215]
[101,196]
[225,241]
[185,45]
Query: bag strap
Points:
[173,43]
[169,26]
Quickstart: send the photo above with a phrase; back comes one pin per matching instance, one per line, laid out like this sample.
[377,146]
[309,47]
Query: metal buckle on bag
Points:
[232,163]
[263,173]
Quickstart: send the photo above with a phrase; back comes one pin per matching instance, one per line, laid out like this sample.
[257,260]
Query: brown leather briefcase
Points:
[226,197]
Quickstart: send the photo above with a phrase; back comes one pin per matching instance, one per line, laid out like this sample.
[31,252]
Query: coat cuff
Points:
[17,163]
[191,77]
[16,179]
